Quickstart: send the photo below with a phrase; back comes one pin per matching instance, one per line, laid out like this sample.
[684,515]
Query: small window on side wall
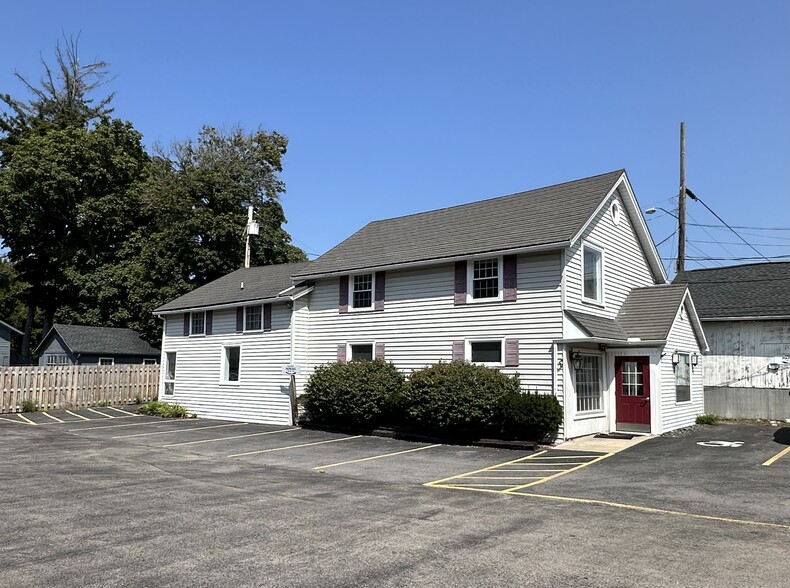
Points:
[682,377]
[106,361]
[148,361]
[485,352]
[361,351]
[231,364]
[592,262]
[169,378]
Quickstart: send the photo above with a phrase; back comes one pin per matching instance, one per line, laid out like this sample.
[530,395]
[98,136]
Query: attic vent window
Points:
[615,210]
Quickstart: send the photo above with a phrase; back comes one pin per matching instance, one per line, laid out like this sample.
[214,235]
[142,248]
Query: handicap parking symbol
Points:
[720,443]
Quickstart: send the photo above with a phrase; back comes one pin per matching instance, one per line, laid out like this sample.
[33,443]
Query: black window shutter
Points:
[341,353]
[458,350]
[267,317]
[239,319]
[209,322]
[460,282]
[186,324]
[379,350]
[510,278]
[343,295]
[511,352]
[379,298]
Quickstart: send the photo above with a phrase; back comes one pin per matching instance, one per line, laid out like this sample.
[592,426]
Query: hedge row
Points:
[458,399]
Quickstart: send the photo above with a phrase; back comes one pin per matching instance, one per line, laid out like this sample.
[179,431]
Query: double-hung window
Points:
[588,384]
[253,318]
[362,291]
[106,361]
[683,378]
[486,277]
[57,359]
[170,373]
[197,323]
[592,261]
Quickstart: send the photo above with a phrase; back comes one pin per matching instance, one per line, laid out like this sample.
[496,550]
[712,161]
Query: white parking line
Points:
[294,446]
[126,412]
[12,421]
[45,413]
[101,413]
[79,416]
[183,430]
[233,437]
[158,422]
[27,420]
[331,465]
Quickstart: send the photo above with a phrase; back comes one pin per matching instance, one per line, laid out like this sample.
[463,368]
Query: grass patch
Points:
[28,406]
[707,419]
[163,409]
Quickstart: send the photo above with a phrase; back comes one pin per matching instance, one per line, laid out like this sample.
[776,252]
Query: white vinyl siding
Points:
[676,414]
[422,322]
[261,395]
[624,264]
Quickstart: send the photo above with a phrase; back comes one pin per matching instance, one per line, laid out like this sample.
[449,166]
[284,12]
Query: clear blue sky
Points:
[398,107]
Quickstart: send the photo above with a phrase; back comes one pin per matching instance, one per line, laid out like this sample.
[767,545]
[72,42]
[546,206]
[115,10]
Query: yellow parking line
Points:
[126,412]
[784,451]
[101,413]
[184,430]
[331,465]
[558,474]
[45,413]
[24,418]
[157,422]
[233,437]
[652,510]
[13,421]
[294,446]
[79,416]
[493,467]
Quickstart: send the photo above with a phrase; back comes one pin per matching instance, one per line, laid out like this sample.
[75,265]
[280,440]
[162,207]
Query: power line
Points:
[698,250]
[739,226]
[734,258]
[675,232]
[740,244]
[694,197]
[704,230]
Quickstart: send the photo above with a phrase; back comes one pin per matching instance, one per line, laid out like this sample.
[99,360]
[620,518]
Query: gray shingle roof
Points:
[597,326]
[260,283]
[750,290]
[648,313]
[104,340]
[538,217]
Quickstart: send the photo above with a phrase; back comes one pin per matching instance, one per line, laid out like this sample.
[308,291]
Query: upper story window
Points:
[253,318]
[486,276]
[197,323]
[682,377]
[362,291]
[592,261]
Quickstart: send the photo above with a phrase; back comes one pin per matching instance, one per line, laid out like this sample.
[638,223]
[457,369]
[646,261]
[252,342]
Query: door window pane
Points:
[632,373]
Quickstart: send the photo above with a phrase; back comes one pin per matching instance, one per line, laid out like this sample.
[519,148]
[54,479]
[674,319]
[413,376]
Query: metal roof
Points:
[260,283]
[749,291]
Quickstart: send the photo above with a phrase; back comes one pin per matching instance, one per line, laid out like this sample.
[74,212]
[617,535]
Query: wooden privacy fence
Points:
[76,386]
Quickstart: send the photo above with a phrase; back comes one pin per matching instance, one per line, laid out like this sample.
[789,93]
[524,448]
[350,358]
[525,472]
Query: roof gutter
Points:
[162,313]
[615,342]
[434,261]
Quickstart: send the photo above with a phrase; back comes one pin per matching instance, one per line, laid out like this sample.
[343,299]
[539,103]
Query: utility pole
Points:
[681,263]
[252,228]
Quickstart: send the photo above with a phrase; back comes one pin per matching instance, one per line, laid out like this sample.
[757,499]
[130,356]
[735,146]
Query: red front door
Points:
[632,390]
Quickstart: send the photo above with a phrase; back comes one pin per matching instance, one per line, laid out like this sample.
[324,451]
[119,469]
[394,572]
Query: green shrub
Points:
[28,406]
[533,417]
[354,394]
[457,398]
[103,403]
[163,409]
[138,399]
[707,419]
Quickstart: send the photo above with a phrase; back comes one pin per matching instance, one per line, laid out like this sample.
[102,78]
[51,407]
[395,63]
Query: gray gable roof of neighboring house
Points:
[647,314]
[546,216]
[260,283]
[14,331]
[101,340]
[758,290]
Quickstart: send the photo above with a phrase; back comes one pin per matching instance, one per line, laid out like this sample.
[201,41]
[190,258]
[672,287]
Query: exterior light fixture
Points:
[675,358]
[694,359]
[576,358]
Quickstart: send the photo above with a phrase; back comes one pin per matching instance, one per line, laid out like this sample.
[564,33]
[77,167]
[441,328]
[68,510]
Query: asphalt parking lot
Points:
[102,497]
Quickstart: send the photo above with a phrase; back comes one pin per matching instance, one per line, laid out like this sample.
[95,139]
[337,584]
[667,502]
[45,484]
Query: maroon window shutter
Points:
[460,282]
[379,350]
[209,322]
[267,317]
[511,353]
[343,295]
[239,319]
[186,324]
[341,353]
[379,297]
[510,278]
[458,350]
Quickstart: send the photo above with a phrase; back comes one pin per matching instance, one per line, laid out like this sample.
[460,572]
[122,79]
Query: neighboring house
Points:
[745,312]
[562,285]
[82,345]
[6,332]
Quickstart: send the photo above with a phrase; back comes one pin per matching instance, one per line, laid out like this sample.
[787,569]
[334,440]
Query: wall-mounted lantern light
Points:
[576,357]
[694,359]
[675,358]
